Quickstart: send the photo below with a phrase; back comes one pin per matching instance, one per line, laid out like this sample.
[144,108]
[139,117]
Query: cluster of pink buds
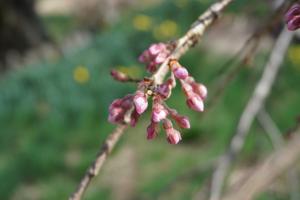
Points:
[155,55]
[292,17]
[129,108]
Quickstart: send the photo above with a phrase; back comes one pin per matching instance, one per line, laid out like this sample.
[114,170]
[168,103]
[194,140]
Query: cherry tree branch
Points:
[96,166]
[182,46]
[268,171]
[255,103]
[277,141]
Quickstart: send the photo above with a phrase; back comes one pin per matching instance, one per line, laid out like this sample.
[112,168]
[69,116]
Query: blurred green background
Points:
[53,113]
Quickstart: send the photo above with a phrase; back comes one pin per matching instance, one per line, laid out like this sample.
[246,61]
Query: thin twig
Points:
[274,166]
[182,46]
[94,169]
[275,136]
[254,104]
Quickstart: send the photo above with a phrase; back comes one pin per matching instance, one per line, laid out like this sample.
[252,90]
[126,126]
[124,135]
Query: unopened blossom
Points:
[158,113]
[182,121]
[134,118]
[155,55]
[119,108]
[292,17]
[140,102]
[197,88]
[119,76]
[164,90]
[152,130]
[128,109]
[179,71]
[173,136]
[194,102]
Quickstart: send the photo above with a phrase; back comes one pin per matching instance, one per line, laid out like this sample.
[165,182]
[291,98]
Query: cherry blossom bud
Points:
[115,115]
[174,137]
[183,121]
[164,90]
[161,57]
[158,114]
[294,23]
[187,88]
[134,118]
[292,17]
[167,124]
[155,49]
[195,102]
[151,67]
[200,89]
[119,76]
[152,131]
[145,57]
[181,73]
[118,109]
[292,12]
[140,102]
[158,111]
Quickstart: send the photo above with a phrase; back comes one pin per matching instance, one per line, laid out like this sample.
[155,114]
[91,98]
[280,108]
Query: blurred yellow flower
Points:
[294,55]
[166,30]
[81,74]
[142,22]
[181,3]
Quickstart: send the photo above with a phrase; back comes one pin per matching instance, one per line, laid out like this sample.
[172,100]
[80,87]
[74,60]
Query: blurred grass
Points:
[53,117]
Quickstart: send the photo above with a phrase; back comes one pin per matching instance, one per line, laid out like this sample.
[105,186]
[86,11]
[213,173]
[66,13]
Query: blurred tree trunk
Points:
[20,29]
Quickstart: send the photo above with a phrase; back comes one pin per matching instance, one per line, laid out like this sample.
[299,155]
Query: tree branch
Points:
[265,173]
[252,108]
[183,45]
[277,141]
[94,169]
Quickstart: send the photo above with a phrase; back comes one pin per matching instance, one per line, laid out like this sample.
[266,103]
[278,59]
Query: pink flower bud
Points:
[116,115]
[118,109]
[158,111]
[195,102]
[158,115]
[173,136]
[181,73]
[134,118]
[292,17]
[183,121]
[187,88]
[151,67]
[161,57]
[292,12]
[164,90]
[200,89]
[155,49]
[119,76]
[294,23]
[167,125]
[140,102]
[152,131]
[145,57]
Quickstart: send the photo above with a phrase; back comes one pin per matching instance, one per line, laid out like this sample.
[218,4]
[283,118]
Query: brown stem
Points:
[94,169]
